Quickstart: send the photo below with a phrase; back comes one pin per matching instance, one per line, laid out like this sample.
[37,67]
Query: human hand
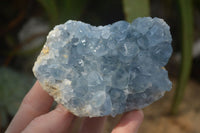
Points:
[33,116]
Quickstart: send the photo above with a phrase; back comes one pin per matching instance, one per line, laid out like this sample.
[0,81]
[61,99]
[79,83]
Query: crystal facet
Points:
[106,70]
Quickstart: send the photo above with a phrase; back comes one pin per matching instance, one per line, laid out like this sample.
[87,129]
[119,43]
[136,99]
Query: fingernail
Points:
[61,108]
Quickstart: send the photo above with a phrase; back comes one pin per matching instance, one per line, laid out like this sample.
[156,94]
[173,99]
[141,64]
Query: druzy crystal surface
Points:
[106,70]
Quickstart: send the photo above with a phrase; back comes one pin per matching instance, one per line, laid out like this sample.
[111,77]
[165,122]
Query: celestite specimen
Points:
[106,70]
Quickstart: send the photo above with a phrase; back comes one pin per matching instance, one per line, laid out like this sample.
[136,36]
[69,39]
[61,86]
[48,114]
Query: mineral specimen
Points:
[106,70]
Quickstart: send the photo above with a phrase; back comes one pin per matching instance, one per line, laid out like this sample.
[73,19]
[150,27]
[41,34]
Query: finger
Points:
[35,103]
[56,121]
[75,125]
[93,125]
[130,122]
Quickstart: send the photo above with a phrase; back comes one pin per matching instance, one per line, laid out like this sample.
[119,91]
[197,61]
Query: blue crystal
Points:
[106,70]
[94,79]
[129,49]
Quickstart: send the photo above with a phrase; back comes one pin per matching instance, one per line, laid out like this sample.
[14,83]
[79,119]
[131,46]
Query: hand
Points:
[33,116]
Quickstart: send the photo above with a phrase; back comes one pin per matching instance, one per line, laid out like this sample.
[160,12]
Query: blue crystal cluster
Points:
[106,70]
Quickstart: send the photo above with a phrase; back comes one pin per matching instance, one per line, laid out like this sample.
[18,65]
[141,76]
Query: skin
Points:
[34,116]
